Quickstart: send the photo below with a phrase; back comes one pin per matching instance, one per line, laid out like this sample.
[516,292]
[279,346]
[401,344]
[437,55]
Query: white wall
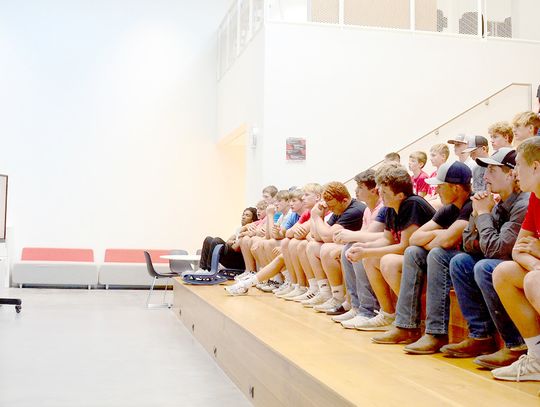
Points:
[356,94]
[109,122]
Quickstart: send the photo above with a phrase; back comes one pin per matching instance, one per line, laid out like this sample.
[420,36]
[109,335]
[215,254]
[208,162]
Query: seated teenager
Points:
[347,213]
[417,161]
[405,213]
[477,148]
[488,240]
[245,238]
[427,260]
[501,135]
[525,126]
[230,256]
[363,300]
[510,278]
[438,155]
[261,247]
[293,247]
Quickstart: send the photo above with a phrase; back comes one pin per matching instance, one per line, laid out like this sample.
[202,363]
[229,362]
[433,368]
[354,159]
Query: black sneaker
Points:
[336,311]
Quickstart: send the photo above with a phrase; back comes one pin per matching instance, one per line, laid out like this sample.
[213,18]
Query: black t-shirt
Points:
[448,214]
[414,210]
[351,218]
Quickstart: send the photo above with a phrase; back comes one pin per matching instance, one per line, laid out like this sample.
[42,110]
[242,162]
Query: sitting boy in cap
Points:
[428,257]
[488,240]
[477,147]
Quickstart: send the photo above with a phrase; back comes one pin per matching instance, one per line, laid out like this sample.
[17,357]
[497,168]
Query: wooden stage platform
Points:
[281,354]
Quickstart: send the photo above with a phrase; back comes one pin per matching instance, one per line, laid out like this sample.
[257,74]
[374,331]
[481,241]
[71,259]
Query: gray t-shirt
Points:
[478,182]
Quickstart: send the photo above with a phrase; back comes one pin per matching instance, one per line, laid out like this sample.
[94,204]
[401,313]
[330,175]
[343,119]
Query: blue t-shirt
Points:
[276,216]
[290,221]
[381,216]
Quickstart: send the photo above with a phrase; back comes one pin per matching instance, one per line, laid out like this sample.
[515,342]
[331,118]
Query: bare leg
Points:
[293,253]
[301,251]
[245,245]
[508,280]
[331,262]
[391,266]
[314,256]
[380,288]
[287,258]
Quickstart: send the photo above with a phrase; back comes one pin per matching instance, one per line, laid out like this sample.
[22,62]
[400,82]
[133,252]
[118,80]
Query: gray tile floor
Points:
[71,347]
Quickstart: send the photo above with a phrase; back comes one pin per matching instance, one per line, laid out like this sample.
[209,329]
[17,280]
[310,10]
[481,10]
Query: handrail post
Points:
[412,14]
[480,13]
[341,12]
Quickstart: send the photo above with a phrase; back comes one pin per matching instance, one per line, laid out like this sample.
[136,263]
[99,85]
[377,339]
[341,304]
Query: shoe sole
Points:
[403,342]
[526,378]
[373,329]
[459,355]
[420,352]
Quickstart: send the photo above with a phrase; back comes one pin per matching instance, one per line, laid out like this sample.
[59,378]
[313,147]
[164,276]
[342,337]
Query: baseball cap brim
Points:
[434,181]
[468,150]
[485,161]
[456,142]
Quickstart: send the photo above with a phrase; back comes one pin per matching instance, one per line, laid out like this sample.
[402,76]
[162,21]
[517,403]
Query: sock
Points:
[277,278]
[313,287]
[338,292]
[287,275]
[324,287]
[533,344]
[387,314]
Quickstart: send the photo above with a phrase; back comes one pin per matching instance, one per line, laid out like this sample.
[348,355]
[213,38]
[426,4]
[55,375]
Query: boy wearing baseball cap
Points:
[488,241]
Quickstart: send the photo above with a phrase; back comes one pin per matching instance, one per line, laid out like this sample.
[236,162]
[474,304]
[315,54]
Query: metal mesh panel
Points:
[324,11]
[448,16]
[499,18]
[377,13]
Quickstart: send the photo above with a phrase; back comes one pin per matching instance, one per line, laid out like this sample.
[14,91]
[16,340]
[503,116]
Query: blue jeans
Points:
[478,300]
[362,297]
[439,284]
[420,265]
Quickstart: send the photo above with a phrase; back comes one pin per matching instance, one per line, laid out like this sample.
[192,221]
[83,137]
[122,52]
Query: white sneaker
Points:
[352,323]
[526,368]
[282,287]
[328,305]
[350,314]
[261,285]
[241,276]
[247,276]
[295,293]
[380,322]
[320,298]
[270,286]
[236,289]
[286,291]
[308,295]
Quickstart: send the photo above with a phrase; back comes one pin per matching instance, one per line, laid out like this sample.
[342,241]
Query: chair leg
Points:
[165,293]
[150,293]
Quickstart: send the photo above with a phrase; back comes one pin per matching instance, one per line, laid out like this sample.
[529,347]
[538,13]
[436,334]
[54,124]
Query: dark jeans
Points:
[419,267]
[479,301]
[227,257]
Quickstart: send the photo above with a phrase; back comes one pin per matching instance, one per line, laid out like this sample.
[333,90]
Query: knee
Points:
[502,273]
[457,264]
[531,285]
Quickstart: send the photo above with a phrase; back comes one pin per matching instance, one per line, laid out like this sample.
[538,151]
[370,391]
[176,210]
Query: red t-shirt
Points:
[532,218]
[431,188]
[419,183]
[305,217]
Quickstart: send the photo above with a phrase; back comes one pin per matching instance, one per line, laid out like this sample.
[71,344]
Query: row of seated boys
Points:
[384,246]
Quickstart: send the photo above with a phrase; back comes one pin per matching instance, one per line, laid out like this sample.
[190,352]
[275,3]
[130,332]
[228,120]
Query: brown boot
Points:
[427,344]
[397,335]
[469,348]
[501,358]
